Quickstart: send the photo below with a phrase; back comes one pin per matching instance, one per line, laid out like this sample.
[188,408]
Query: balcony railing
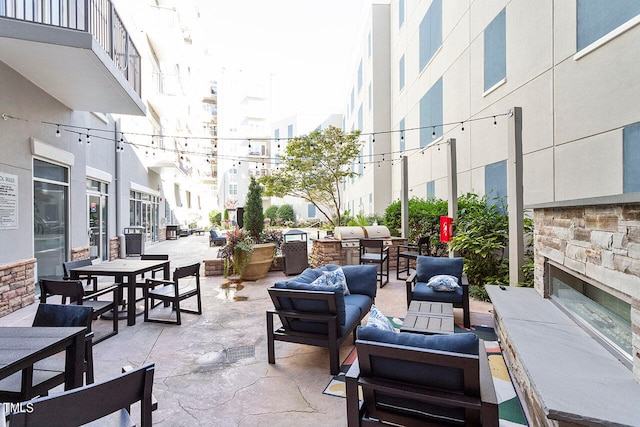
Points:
[97,17]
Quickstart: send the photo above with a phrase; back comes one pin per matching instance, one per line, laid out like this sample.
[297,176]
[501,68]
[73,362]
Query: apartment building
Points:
[464,70]
[91,144]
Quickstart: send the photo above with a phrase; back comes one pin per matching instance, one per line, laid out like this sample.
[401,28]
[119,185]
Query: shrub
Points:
[286,215]
[272,213]
[215,217]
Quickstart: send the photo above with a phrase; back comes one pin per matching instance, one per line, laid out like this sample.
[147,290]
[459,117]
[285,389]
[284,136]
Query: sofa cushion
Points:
[363,302]
[422,292]
[361,279]
[427,267]
[420,373]
[316,306]
[466,343]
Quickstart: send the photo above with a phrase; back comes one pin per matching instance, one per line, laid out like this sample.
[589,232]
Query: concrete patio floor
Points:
[213,371]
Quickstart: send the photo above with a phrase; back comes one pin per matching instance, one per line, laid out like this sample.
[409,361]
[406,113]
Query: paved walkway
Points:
[213,371]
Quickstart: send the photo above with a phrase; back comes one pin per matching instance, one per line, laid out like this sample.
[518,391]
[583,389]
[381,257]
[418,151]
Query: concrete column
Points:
[515,196]
[452,183]
[404,194]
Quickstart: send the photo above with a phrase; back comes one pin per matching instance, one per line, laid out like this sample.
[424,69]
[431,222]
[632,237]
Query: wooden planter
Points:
[260,261]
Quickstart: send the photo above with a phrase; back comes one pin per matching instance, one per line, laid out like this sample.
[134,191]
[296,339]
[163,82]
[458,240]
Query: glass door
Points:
[94,227]
[97,220]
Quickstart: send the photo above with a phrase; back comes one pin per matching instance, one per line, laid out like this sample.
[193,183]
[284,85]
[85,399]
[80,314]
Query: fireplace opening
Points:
[604,315]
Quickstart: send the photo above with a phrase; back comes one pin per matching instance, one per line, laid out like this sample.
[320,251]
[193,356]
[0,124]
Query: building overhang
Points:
[69,65]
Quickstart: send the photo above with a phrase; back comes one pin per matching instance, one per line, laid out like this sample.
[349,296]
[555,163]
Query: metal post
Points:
[515,197]
[404,194]
[452,183]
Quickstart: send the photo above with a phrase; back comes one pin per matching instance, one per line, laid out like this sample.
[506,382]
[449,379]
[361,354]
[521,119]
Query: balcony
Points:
[78,51]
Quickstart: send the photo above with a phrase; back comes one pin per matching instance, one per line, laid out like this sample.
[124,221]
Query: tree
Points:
[253,215]
[314,169]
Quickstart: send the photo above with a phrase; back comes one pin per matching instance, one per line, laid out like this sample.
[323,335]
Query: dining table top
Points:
[22,345]
[121,266]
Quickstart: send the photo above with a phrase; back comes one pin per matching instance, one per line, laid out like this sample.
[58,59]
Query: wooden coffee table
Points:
[426,317]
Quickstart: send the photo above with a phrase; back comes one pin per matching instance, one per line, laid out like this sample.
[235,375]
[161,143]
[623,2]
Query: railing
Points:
[97,17]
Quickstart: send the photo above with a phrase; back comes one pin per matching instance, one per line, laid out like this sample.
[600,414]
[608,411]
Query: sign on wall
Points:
[8,201]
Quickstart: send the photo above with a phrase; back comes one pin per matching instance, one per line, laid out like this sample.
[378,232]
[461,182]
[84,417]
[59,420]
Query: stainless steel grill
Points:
[349,238]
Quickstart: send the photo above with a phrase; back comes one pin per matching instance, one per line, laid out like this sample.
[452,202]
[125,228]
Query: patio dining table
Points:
[124,271]
[21,347]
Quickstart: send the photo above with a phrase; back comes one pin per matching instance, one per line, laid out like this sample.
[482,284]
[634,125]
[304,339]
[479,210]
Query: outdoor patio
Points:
[213,370]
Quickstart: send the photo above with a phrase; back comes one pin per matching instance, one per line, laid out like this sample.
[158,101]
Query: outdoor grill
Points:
[349,238]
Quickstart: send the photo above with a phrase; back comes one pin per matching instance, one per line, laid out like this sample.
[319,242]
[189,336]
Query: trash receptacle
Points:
[134,240]
[172,232]
[295,252]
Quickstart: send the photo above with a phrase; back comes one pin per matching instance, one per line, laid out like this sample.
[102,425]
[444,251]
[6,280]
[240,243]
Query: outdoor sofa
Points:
[320,315]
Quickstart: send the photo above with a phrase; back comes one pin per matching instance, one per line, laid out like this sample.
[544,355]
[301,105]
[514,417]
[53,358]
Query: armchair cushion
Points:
[443,283]
[427,267]
[422,292]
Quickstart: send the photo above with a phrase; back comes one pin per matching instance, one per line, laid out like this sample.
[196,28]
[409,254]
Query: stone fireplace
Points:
[587,260]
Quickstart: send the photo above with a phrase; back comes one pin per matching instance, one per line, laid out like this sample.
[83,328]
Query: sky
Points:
[306,45]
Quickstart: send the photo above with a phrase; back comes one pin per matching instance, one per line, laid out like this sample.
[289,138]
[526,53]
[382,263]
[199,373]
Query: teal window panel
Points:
[360,117]
[311,211]
[495,51]
[290,131]
[360,77]
[495,183]
[430,33]
[631,158]
[597,18]
[431,190]
[400,13]
[431,114]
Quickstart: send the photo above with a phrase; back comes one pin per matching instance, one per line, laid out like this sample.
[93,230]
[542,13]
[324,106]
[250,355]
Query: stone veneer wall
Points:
[601,242]
[114,248]
[80,253]
[17,285]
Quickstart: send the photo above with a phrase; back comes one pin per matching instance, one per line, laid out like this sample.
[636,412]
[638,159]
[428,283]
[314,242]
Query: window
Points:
[431,190]
[631,158]
[311,211]
[401,72]
[360,117]
[495,183]
[360,76]
[353,98]
[361,162]
[370,202]
[233,189]
[290,131]
[495,51]
[596,19]
[370,148]
[188,197]
[233,171]
[402,140]
[50,216]
[430,33]
[400,13]
[431,114]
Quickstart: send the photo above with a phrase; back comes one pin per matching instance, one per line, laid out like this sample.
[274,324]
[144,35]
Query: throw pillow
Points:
[379,321]
[443,283]
[337,277]
[320,281]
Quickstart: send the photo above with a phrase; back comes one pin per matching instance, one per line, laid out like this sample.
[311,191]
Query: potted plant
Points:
[250,251]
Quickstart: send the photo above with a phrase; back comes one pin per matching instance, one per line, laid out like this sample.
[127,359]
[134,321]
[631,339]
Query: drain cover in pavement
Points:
[243,352]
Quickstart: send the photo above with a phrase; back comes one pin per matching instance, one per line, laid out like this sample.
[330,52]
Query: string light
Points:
[462,126]
[494,121]
[433,133]
[58,132]
[88,138]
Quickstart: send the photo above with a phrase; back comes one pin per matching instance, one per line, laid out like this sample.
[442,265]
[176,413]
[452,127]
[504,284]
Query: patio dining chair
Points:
[108,402]
[74,290]
[410,252]
[50,372]
[374,251]
[173,291]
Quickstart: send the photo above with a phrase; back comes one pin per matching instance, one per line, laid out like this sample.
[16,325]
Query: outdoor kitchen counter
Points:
[331,251]
[564,373]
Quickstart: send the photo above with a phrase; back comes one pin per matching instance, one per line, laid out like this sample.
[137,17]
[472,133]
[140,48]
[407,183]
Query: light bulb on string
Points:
[88,138]
[373,139]
[495,123]
[433,133]
[58,132]
[462,126]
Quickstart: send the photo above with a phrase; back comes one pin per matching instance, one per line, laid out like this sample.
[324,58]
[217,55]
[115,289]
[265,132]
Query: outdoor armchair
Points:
[185,284]
[428,267]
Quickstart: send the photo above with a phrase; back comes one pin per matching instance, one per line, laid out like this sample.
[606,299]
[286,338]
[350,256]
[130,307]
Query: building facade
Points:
[88,150]
[458,69]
